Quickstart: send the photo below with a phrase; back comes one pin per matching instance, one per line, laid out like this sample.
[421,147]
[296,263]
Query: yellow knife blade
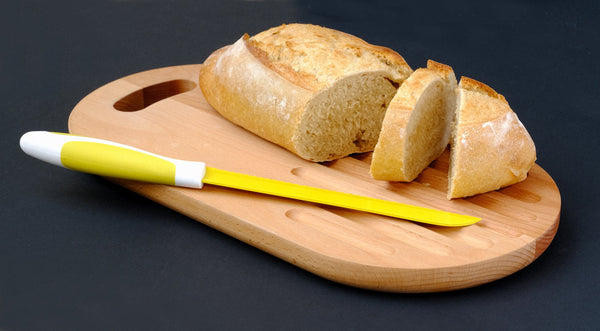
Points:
[244,182]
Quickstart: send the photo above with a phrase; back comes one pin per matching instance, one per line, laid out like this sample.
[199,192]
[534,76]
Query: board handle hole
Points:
[143,98]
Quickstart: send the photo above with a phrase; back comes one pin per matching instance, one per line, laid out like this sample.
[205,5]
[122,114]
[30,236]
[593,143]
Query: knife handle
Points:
[110,159]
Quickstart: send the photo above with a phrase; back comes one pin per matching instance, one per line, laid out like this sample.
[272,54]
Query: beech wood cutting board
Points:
[163,111]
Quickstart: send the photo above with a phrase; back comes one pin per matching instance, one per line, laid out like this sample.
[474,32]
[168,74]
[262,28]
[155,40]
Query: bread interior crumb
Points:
[345,118]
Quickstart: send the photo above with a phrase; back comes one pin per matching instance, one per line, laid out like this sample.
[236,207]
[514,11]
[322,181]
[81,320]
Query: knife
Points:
[111,159]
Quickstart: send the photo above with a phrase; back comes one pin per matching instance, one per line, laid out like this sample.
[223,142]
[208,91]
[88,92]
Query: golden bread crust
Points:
[247,93]
[470,84]
[318,56]
[491,148]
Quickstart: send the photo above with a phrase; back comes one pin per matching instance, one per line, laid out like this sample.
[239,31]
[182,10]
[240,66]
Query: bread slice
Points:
[318,92]
[490,148]
[417,125]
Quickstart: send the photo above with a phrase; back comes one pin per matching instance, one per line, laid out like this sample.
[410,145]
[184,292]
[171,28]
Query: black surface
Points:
[79,253]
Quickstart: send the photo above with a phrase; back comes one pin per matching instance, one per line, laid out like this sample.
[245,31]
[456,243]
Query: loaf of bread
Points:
[417,126]
[324,94]
[490,148]
[317,92]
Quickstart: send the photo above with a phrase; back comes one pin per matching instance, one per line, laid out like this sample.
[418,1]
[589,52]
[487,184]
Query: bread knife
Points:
[111,159]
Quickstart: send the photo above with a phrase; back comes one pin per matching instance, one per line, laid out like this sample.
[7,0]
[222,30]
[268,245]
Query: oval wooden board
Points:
[354,248]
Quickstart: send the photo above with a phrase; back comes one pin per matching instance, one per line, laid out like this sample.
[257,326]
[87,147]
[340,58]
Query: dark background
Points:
[80,253]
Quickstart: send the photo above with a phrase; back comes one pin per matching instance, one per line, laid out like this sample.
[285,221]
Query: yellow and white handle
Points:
[107,158]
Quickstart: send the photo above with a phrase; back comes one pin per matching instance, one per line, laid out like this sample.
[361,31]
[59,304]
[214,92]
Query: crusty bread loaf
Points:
[417,126]
[317,92]
[324,94]
[490,148]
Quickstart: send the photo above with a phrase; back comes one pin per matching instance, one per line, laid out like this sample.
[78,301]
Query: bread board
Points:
[163,111]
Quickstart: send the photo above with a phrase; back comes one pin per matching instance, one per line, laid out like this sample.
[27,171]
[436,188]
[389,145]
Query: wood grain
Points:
[163,111]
